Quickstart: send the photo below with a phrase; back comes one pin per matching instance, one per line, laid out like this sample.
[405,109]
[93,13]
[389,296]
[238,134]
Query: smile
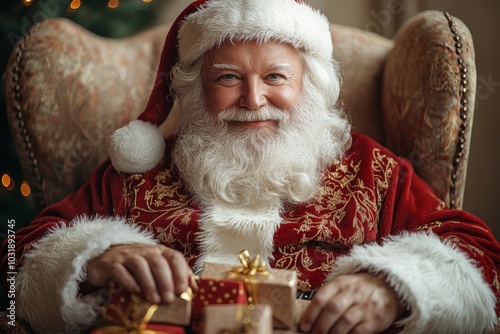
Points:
[255,124]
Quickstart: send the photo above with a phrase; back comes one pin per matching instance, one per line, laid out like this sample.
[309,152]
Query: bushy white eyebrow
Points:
[224,67]
[281,67]
[276,67]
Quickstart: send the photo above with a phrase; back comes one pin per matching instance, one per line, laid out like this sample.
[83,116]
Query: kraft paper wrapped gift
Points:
[277,288]
[149,329]
[124,306]
[300,307]
[234,319]
[128,313]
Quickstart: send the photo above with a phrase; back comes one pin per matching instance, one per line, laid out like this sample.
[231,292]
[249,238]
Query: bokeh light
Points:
[25,189]
[8,182]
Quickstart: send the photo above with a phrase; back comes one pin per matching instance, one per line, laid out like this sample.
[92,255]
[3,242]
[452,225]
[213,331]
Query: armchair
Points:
[68,89]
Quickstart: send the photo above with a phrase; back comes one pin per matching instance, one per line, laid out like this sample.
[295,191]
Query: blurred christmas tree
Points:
[109,18]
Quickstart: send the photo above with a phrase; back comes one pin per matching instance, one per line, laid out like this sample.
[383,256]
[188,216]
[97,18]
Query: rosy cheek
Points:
[219,99]
[285,98]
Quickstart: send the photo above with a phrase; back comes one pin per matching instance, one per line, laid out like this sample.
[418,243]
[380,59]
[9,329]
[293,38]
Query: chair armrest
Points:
[429,85]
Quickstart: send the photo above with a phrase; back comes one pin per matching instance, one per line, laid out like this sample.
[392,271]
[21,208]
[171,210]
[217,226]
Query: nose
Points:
[253,95]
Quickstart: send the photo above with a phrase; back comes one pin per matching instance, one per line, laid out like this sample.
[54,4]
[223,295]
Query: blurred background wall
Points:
[481,16]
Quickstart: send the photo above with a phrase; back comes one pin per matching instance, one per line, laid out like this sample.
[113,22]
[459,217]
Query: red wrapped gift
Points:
[216,292]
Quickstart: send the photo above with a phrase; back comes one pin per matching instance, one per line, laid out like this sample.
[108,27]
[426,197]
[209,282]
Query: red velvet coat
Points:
[371,194]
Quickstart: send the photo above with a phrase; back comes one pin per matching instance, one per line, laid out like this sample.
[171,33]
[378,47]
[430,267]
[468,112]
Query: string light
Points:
[5,180]
[25,189]
[75,4]
[113,4]
[8,182]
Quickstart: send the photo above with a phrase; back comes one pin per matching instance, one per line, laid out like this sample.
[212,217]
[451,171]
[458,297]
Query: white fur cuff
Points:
[443,288]
[47,283]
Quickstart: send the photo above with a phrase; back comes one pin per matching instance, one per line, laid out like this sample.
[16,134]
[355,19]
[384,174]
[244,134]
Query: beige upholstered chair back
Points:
[68,89]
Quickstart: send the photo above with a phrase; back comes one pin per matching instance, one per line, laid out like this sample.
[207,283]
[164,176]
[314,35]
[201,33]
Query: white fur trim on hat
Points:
[284,21]
[137,147]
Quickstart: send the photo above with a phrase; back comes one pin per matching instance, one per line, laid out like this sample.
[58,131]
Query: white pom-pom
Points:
[137,147]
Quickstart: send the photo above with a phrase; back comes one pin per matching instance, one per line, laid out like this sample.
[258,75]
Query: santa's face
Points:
[252,75]
[254,131]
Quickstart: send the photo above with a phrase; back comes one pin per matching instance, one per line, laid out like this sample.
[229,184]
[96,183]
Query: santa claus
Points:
[263,160]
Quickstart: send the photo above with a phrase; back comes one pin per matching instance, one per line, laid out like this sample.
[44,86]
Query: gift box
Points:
[276,287]
[236,319]
[216,292]
[148,329]
[124,305]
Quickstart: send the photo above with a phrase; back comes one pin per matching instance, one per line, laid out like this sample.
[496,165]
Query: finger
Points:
[315,308]
[333,310]
[162,274]
[349,321]
[328,317]
[125,278]
[180,270]
[139,268]
[192,280]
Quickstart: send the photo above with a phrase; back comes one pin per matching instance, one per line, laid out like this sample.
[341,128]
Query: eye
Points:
[275,76]
[227,76]
[275,79]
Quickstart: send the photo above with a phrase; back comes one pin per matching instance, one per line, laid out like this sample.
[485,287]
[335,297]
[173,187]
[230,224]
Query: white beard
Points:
[256,169]
[243,176]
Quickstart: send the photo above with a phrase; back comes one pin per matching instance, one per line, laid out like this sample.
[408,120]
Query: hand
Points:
[357,303]
[157,271]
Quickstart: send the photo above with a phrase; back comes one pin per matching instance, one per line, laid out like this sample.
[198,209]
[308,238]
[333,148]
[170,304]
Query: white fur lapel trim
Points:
[225,232]
[442,287]
[47,283]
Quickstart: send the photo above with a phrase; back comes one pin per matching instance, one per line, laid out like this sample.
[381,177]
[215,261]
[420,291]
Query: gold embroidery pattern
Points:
[383,167]
[437,224]
[163,207]
[496,284]
[470,248]
[317,266]
[431,226]
[344,213]
[339,196]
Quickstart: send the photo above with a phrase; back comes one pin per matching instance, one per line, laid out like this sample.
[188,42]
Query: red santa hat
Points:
[139,146]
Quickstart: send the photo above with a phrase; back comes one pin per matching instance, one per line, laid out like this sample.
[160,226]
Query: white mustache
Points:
[236,114]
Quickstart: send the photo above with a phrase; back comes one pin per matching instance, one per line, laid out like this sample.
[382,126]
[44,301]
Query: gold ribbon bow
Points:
[130,321]
[249,270]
